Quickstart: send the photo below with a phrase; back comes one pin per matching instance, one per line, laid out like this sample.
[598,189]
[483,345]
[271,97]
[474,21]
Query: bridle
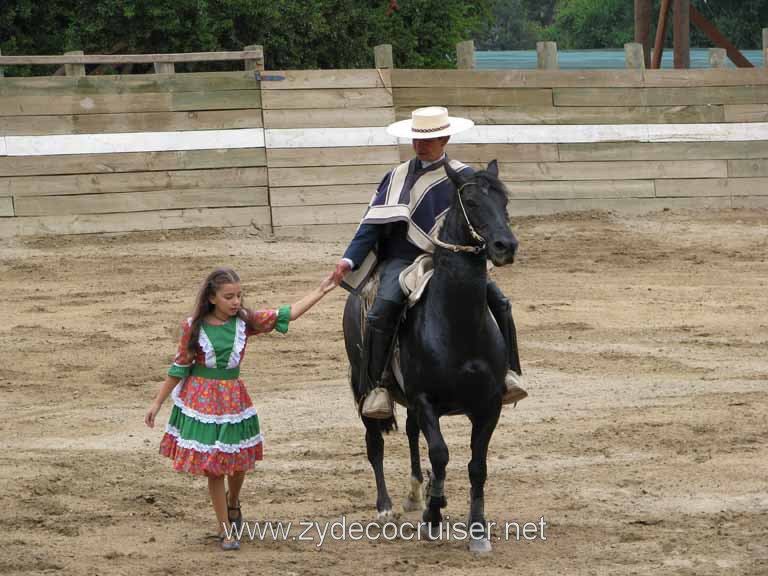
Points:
[472,232]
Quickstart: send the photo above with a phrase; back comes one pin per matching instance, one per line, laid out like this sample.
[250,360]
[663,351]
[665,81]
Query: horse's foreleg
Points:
[438,456]
[415,499]
[482,430]
[374,442]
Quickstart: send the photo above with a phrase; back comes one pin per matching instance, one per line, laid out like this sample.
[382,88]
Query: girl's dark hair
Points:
[203,306]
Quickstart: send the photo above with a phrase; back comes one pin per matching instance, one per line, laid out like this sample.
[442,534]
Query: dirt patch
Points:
[643,442]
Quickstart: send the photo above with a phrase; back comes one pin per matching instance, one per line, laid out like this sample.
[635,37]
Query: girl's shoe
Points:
[237,521]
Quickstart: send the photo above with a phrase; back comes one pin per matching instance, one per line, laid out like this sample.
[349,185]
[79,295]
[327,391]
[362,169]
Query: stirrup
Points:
[514,392]
[377,404]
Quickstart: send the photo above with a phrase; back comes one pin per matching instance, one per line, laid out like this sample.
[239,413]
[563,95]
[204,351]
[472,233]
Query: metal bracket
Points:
[267,77]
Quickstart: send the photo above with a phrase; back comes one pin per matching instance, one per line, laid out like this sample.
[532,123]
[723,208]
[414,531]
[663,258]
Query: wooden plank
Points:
[331,118]
[747,168]
[471,97]
[18,186]
[310,215]
[713,187]
[258,216]
[583,115]
[130,122]
[327,137]
[132,58]
[561,134]
[500,152]
[296,157]
[750,202]
[662,151]
[612,170]
[140,201]
[581,189]
[318,232]
[660,96]
[6,207]
[330,98]
[705,77]
[328,175]
[127,84]
[114,103]
[133,142]
[622,205]
[402,78]
[319,195]
[746,113]
[327,79]
[132,162]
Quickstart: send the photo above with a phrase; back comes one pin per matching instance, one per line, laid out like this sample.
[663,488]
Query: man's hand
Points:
[342,267]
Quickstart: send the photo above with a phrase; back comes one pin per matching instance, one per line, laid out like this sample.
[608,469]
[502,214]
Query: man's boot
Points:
[377,402]
[502,312]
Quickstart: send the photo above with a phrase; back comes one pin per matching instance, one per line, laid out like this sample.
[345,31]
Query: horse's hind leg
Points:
[415,499]
[482,430]
[438,456]
[374,442]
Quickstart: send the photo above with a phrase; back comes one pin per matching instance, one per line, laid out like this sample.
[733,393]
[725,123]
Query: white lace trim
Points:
[237,348]
[207,347]
[210,418]
[220,446]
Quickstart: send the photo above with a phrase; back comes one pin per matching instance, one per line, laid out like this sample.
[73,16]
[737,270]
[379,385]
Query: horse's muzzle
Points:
[502,250]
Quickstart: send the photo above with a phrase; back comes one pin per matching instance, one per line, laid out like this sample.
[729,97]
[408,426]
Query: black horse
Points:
[452,354]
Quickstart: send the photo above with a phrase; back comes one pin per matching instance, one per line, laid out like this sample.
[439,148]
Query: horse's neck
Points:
[460,279]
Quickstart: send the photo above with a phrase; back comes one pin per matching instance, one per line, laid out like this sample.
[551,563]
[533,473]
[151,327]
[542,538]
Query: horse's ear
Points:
[455,177]
[493,168]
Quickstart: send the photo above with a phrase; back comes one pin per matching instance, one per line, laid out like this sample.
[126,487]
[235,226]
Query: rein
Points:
[472,232]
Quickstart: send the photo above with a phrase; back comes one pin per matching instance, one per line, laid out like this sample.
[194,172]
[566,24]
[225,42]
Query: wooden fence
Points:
[301,152]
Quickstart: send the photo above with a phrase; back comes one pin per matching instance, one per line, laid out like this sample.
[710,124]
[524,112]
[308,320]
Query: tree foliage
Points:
[298,34]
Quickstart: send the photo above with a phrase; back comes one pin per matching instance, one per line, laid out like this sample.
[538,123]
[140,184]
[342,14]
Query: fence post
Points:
[258,62]
[2,71]
[465,55]
[382,56]
[74,69]
[634,54]
[765,46]
[717,57]
[546,55]
[164,68]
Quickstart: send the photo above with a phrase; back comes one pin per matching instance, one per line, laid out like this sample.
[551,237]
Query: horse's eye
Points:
[471,203]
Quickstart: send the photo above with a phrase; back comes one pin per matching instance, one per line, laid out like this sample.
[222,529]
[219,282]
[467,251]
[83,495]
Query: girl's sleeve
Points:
[261,321]
[182,362]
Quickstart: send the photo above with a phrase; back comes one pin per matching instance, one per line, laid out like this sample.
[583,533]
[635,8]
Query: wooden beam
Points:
[721,41]
[465,55]
[682,34]
[255,63]
[661,32]
[132,58]
[546,53]
[643,10]
[74,69]
[382,56]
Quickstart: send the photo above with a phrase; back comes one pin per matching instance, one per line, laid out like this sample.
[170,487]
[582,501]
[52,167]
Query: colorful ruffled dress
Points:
[214,428]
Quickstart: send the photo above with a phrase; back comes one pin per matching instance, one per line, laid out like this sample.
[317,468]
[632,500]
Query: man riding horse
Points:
[401,224]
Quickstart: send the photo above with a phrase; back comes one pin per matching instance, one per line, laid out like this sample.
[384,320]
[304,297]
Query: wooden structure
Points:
[300,153]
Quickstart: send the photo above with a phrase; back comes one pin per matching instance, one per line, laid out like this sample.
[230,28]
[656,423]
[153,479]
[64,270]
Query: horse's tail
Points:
[353,325]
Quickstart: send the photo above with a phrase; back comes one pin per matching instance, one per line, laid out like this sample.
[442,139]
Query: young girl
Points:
[213,429]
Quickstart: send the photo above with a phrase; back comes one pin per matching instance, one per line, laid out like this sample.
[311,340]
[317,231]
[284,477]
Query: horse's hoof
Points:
[481,546]
[386,516]
[411,505]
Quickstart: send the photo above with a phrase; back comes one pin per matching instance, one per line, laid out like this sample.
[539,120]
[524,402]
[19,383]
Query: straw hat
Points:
[430,122]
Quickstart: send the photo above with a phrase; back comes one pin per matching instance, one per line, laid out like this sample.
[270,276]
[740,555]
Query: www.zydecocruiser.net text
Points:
[342,530]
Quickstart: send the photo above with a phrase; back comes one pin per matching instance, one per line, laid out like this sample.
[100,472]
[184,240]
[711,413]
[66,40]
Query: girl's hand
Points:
[149,417]
[328,283]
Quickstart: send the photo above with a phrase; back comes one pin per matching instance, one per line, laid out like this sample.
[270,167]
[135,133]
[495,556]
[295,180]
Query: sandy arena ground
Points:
[643,443]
